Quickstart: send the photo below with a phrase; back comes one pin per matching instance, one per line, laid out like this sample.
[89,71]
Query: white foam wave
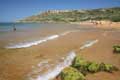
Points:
[29,44]
[42,63]
[54,72]
[88,44]
[67,32]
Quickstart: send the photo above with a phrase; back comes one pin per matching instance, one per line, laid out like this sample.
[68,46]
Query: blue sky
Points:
[11,10]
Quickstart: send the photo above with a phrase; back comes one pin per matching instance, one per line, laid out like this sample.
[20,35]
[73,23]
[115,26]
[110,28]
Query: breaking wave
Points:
[88,44]
[54,72]
[29,44]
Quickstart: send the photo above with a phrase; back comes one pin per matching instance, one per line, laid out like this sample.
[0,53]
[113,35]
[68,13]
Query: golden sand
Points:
[15,64]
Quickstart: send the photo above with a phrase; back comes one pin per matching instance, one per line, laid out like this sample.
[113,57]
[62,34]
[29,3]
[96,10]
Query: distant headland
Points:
[109,14]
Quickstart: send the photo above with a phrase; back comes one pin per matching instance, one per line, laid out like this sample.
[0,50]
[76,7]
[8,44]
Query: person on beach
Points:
[14,28]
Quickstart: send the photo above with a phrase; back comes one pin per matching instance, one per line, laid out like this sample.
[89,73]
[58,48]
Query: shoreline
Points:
[94,23]
[20,61]
[100,24]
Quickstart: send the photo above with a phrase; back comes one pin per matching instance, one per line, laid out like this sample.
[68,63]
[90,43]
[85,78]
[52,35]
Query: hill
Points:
[111,14]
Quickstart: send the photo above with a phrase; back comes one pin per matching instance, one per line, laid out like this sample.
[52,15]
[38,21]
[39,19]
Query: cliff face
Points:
[111,14]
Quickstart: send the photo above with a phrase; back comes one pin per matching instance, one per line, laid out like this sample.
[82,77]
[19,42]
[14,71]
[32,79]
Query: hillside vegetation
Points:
[111,14]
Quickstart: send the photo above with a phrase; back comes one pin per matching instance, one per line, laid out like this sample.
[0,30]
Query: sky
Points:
[12,10]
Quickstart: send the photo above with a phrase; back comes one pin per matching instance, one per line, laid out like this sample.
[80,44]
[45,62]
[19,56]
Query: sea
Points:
[23,51]
[17,49]
[29,33]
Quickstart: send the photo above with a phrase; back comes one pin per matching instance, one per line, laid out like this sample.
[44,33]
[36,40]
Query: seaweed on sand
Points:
[108,67]
[81,67]
[71,73]
[116,48]
[81,64]
[91,67]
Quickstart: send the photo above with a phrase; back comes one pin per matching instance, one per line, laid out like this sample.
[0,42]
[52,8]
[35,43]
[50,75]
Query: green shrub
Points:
[116,48]
[115,18]
[93,67]
[70,73]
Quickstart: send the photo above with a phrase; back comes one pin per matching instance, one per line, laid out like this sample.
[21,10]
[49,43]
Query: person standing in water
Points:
[14,28]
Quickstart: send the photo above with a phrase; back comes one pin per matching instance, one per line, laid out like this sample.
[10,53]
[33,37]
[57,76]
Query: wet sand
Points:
[103,52]
[17,64]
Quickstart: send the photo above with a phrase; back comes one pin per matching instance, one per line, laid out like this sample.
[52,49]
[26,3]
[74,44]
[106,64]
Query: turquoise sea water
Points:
[30,32]
[7,27]
[17,52]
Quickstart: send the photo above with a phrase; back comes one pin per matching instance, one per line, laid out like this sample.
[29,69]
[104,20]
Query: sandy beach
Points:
[19,64]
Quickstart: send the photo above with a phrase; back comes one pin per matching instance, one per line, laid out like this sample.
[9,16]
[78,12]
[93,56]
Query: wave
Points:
[54,72]
[29,44]
[88,44]
[67,32]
